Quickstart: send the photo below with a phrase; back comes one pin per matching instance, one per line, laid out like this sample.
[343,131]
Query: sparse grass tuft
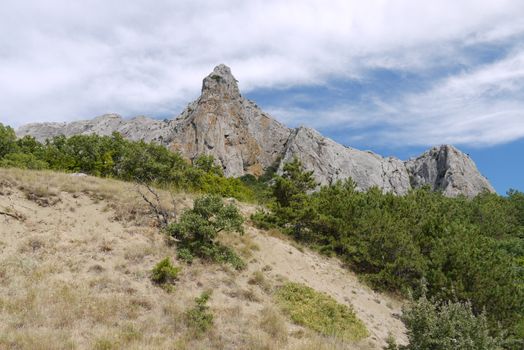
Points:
[250,295]
[258,279]
[103,344]
[319,312]
[273,324]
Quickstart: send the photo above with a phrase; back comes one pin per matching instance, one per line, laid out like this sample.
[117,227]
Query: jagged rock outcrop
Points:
[138,128]
[241,137]
[449,170]
[331,161]
[245,140]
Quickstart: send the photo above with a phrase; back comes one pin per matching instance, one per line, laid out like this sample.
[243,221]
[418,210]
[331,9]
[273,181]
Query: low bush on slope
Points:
[319,312]
[444,326]
[469,249]
[197,229]
[164,273]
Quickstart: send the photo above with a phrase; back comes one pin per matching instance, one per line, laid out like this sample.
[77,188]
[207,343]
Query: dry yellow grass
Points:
[75,274]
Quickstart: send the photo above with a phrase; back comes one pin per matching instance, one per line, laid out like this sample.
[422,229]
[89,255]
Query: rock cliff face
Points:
[331,161]
[245,140]
[138,128]
[241,137]
[447,169]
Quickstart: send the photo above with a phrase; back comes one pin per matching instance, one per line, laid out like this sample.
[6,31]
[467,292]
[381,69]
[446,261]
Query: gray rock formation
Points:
[332,161]
[449,170]
[245,140]
[138,128]
[241,137]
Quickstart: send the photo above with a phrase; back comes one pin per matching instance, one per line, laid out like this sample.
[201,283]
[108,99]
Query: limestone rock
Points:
[241,137]
[332,161]
[139,128]
[449,170]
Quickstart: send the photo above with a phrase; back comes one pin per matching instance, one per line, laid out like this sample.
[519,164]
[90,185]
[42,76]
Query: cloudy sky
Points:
[393,76]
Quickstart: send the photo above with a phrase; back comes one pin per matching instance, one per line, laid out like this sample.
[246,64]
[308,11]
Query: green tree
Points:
[29,145]
[293,185]
[197,229]
[7,140]
[207,164]
[290,192]
[516,198]
[58,155]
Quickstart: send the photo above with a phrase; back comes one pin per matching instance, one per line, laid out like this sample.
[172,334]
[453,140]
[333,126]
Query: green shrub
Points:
[164,272]
[451,325]
[207,164]
[7,140]
[319,312]
[226,255]
[23,161]
[198,228]
[199,318]
[185,255]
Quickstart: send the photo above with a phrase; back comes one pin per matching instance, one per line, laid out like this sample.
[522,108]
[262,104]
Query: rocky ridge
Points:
[245,140]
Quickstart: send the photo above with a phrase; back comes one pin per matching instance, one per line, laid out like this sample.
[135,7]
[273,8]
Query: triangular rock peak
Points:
[220,84]
[241,137]
[245,140]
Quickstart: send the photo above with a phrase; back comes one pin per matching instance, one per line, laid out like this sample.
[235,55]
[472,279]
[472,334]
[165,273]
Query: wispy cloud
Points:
[63,60]
[478,107]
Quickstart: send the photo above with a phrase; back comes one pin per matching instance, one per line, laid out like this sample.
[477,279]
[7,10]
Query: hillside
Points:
[76,255]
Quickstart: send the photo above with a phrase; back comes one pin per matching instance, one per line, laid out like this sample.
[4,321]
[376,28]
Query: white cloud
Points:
[63,60]
[480,107]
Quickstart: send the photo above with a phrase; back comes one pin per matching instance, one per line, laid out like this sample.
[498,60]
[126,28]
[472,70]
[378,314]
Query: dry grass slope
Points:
[75,260]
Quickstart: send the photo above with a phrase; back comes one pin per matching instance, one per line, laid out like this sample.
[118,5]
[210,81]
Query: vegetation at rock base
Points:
[319,312]
[115,157]
[469,249]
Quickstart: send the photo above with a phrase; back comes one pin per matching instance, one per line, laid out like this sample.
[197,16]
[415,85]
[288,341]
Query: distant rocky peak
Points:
[220,84]
[445,168]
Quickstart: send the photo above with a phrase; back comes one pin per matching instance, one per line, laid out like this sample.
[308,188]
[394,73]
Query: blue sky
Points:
[393,76]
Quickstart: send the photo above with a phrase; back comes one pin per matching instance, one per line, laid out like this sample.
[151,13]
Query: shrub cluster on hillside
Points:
[113,156]
[197,229]
[445,325]
[468,249]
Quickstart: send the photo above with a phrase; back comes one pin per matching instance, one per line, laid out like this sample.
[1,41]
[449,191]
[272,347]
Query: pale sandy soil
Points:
[75,258]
